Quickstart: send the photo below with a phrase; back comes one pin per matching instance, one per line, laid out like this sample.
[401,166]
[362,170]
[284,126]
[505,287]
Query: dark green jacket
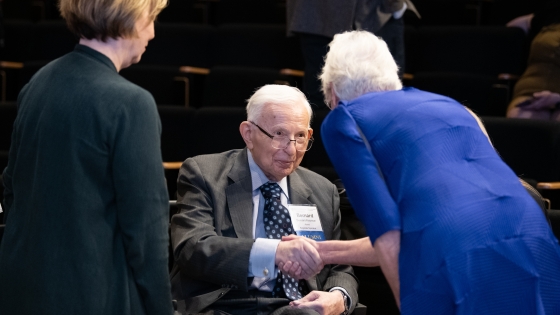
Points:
[85,198]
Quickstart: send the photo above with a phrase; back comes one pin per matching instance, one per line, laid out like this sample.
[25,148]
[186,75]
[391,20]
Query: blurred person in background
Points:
[315,22]
[537,92]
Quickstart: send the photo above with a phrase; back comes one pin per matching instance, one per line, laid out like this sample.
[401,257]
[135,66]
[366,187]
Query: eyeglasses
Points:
[281,142]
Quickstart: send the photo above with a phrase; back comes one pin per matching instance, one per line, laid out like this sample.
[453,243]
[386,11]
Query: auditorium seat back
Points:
[180,45]
[484,94]
[483,50]
[217,129]
[530,147]
[231,86]
[256,45]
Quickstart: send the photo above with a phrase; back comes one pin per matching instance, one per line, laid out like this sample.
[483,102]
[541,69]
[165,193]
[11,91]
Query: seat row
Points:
[490,50]
[531,148]
[216,12]
[256,45]
[201,65]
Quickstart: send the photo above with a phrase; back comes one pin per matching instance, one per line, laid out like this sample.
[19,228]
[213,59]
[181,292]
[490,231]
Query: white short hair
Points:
[357,63]
[278,95]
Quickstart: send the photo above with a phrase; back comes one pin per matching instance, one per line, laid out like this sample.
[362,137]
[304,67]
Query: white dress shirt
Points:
[262,265]
[263,252]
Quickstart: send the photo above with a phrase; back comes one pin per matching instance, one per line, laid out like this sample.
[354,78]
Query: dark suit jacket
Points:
[86,204]
[212,233]
[330,17]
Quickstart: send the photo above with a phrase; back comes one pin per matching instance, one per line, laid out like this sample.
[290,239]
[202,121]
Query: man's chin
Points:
[284,171]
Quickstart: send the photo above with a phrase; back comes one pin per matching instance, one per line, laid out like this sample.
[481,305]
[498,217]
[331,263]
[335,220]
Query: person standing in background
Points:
[85,197]
[537,92]
[317,21]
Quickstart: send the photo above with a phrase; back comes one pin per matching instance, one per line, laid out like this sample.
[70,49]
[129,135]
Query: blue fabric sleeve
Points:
[357,167]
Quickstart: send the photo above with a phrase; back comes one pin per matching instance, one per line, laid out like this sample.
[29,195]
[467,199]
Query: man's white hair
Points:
[357,63]
[278,95]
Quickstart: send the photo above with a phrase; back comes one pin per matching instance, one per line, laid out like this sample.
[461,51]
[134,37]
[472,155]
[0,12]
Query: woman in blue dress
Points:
[451,226]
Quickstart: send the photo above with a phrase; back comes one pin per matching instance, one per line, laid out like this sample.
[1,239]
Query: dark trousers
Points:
[253,302]
[315,47]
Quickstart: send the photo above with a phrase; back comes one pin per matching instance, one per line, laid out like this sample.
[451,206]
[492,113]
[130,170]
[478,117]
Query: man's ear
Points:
[310,132]
[245,130]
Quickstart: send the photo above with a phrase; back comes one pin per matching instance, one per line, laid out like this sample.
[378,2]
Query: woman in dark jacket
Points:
[85,199]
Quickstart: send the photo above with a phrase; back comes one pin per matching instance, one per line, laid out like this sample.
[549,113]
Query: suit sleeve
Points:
[200,252]
[357,167]
[142,200]
[391,6]
[340,275]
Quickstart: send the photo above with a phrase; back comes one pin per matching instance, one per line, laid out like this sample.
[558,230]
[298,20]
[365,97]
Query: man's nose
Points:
[291,148]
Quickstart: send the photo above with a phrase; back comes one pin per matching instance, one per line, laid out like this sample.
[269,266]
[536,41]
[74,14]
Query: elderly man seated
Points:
[234,208]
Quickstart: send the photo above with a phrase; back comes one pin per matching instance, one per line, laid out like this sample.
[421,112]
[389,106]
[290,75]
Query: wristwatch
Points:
[345,299]
[346,308]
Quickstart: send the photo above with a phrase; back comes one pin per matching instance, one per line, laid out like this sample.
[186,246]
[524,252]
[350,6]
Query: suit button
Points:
[265,272]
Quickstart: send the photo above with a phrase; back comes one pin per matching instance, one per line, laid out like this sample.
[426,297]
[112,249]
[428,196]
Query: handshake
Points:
[299,257]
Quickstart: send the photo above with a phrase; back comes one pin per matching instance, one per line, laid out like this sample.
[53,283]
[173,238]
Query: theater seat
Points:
[467,49]
[531,148]
[217,130]
[256,45]
[484,94]
[231,86]
[554,217]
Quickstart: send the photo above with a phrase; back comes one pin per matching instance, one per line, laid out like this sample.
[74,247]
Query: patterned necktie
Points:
[277,224]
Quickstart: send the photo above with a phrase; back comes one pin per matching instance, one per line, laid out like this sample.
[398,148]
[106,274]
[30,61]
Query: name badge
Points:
[306,222]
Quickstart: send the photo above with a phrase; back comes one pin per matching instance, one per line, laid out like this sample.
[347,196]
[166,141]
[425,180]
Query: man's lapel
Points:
[240,197]
[298,190]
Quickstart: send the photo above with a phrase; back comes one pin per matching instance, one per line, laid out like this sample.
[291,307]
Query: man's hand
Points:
[304,260]
[293,268]
[325,303]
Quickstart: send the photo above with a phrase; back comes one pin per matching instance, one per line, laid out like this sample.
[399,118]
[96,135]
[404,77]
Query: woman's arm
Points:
[358,252]
[387,248]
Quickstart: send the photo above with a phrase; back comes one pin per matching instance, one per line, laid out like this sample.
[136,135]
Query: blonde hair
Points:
[102,19]
[357,63]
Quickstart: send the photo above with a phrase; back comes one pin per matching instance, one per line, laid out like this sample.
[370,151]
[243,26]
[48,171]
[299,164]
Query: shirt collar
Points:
[258,178]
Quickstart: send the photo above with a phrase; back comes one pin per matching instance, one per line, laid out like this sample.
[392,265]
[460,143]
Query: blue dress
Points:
[473,241]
